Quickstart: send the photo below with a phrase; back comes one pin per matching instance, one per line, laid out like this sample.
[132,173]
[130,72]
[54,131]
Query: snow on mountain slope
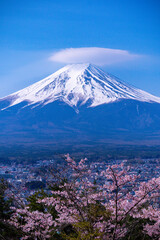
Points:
[77,84]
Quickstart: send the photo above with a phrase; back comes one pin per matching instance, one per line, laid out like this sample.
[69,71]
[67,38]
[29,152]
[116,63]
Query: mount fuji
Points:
[79,103]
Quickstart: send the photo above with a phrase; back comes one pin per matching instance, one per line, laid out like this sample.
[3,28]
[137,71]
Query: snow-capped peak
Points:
[78,84]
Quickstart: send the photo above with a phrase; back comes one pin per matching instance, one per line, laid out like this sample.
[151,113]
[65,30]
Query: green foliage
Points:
[34,205]
[7,232]
[135,229]
[33,201]
[83,229]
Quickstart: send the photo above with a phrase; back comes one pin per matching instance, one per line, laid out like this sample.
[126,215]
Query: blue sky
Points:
[33,31]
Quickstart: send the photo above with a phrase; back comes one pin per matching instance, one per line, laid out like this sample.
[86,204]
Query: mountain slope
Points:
[80,103]
[78,84]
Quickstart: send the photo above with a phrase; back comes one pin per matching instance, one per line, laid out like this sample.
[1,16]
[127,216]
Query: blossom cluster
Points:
[102,205]
[33,224]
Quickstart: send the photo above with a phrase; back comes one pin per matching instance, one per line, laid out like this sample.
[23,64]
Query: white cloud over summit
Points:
[95,55]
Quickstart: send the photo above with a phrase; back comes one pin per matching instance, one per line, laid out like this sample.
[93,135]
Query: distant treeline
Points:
[103,152]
